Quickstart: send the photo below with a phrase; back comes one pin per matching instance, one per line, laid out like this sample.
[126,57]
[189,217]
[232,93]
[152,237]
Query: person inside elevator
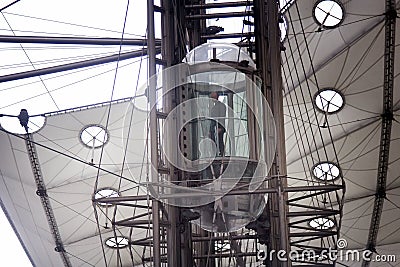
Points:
[217,126]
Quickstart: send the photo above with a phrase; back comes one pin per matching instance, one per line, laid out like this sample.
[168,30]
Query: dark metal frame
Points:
[331,89]
[329,27]
[42,193]
[386,126]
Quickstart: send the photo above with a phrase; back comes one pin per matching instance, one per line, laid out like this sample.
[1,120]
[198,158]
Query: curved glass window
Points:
[117,242]
[221,127]
[329,100]
[220,51]
[326,171]
[94,136]
[321,223]
[328,13]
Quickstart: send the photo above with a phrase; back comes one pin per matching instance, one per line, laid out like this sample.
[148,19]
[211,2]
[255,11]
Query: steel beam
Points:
[386,128]
[72,66]
[218,255]
[219,5]
[328,187]
[42,193]
[73,40]
[7,6]
[221,238]
[325,188]
[133,223]
[313,213]
[228,35]
[219,15]
[151,46]
[266,30]
[313,233]
[172,53]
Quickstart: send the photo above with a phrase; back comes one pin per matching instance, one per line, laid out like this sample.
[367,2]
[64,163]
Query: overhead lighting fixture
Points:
[117,242]
[326,171]
[94,136]
[329,100]
[328,13]
[321,223]
[106,193]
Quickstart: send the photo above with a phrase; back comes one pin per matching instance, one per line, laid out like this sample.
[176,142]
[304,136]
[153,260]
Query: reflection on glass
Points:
[221,128]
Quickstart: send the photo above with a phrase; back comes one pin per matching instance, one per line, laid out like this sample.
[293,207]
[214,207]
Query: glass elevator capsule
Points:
[217,138]
[227,136]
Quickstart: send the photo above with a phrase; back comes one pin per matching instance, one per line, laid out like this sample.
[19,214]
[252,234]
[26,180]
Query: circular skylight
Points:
[321,223]
[328,13]
[106,193]
[283,27]
[117,242]
[326,171]
[12,124]
[329,100]
[94,136]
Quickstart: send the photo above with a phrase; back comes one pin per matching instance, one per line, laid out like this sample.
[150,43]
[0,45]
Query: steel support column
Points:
[179,253]
[386,128]
[269,63]
[153,130]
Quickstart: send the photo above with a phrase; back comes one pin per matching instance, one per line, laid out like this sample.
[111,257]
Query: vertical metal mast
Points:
[153,128]
[269,64]
[167,52]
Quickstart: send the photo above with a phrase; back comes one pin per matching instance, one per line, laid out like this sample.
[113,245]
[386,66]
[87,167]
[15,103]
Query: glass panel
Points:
[240,131]
[220,127]
[221,51]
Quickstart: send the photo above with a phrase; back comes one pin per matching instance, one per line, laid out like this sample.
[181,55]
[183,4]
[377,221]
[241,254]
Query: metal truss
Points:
[42,193]
[386,126]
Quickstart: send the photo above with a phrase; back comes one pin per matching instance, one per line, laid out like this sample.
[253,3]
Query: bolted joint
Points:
[59,248]
[391,14]
[371,248]
[388,115]
[381,193]
[41,192]
[181,227]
